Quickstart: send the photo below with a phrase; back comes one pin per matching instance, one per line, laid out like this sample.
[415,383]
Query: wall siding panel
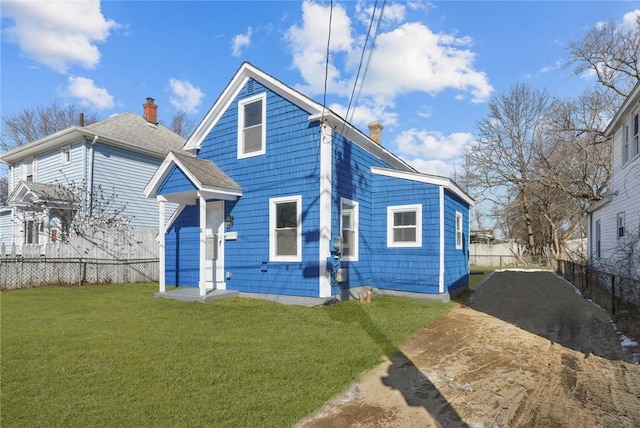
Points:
[456,261]
[182,266]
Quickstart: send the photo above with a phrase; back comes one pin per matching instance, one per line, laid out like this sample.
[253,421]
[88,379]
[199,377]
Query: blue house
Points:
[282,197]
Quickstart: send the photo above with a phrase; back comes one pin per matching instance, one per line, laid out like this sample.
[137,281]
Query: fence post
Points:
[613,294]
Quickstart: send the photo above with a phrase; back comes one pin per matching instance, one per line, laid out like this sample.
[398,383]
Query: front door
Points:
[214,272]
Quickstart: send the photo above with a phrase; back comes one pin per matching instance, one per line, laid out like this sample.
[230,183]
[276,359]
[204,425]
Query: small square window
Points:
[404,226]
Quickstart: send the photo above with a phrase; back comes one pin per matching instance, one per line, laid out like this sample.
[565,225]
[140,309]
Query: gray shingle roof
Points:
[135,130]
[206,172]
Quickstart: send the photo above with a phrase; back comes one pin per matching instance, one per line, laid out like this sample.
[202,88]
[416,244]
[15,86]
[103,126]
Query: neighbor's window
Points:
[30,232]
[459,230]
[625,144]
[635,147]
[65,155]
[404,226]
[349,229]
[285,220]
[252,126]
[28,170]
[620,222]
[598,238]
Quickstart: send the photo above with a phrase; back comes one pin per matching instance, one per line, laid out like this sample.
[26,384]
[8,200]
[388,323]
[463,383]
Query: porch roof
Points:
[34,194]
[205,177]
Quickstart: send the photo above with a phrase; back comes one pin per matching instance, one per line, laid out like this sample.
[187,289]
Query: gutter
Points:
[91,162]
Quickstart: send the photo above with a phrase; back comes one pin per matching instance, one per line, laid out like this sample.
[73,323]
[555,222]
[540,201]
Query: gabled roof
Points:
[208,179]
[632,100]
[437,180]
[126,130]
[30,194]
[316,112]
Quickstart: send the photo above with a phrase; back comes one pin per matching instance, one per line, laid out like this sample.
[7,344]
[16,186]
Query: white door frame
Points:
[206,282]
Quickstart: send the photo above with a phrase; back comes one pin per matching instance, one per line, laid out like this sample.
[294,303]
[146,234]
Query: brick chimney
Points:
[150,111]
[375,132]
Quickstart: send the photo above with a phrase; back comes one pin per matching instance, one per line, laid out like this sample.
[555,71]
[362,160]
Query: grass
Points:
[116,356]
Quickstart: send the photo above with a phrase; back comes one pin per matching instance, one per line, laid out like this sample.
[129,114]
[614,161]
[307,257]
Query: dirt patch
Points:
[523,351]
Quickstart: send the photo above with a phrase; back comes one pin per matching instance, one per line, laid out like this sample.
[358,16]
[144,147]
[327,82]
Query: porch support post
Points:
[161,244]
[202,284]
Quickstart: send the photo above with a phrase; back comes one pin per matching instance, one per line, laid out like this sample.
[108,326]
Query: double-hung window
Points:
[620,225]
[28,170]
[459,233]
[598,238]
[30,232]
[349,229]
[65,155]
[404,226]
[285,223]
[635,143]
[625,144]
[252,126]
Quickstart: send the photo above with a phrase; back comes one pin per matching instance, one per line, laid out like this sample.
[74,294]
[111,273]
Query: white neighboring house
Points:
[614,221]
[118,155]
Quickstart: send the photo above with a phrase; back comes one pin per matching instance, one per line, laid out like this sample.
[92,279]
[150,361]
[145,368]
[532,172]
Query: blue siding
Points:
[176,181]
[52,170]
[289,167]
[456,261]
[352,179]
[182,242]
[126,174]
[405,269]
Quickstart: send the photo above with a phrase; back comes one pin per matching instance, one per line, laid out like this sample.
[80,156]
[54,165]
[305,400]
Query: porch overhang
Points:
[33,195]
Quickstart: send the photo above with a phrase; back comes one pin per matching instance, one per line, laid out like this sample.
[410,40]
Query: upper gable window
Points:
[252,130]
[404,226]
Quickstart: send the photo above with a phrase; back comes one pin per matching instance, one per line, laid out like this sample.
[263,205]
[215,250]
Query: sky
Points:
[427,73]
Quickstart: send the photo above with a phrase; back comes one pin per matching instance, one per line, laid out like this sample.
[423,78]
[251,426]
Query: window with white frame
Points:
[635,142]
[28,170]
[625,144]
[598,238]
[252,117]
[30,232]
[620,225]
[349,229]
[65,155]
[404,226]
[285,223]
[459,233]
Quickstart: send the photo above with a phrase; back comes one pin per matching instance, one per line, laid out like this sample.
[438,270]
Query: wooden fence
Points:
[105,257]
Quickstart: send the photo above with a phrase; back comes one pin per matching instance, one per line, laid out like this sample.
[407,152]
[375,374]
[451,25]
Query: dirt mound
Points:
[524,351]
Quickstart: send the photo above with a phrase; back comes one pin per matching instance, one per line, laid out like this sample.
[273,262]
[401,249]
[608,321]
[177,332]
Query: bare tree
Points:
[182,125]
[4,189]
[500,164]
[31,124]
[611,52]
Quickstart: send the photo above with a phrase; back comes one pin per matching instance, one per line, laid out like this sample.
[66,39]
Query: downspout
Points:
[90,185]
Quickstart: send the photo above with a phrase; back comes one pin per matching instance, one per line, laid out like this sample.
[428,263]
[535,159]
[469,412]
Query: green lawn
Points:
[116,356]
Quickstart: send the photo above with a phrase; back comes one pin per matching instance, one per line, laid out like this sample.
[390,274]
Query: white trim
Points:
[273,257]
[326,143]
[356,228]
[202,283]
[391,210]
[241,105]
[442,240]
[425,178]
[161,246]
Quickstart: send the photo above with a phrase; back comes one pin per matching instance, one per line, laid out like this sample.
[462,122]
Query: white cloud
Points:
[58,34]
[241,41]
[368,111]
[88,93]
[185,97]
[393,13]
[407,58]
[433,167]
[432,145]
[308,45]
[629,19]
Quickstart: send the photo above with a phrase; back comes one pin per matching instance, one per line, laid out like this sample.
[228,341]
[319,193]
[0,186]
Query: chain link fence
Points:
[618,295]
[19,272]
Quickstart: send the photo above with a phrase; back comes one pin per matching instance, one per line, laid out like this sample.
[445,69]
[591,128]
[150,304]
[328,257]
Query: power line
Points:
[326,67]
